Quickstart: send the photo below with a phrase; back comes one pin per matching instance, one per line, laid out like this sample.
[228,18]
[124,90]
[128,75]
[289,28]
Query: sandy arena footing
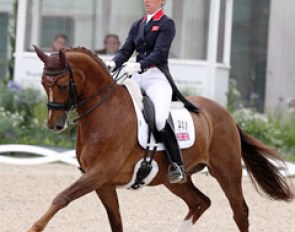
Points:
[27,191]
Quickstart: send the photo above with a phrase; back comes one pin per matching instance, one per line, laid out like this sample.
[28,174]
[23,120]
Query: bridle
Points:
[72,103]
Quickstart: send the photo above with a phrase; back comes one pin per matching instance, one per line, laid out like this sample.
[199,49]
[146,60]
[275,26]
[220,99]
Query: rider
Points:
[151,37]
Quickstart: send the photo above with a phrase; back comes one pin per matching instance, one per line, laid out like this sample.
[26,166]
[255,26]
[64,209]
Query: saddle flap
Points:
[181,118]
[150,117]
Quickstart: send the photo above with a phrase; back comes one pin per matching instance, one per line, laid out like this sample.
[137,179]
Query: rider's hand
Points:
[132,68]
[110,65]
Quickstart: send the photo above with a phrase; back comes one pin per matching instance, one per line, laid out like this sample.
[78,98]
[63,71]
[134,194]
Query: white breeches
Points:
[159,90]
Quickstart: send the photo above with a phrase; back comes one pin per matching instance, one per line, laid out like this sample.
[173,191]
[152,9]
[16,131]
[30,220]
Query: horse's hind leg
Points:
[109,199]
[82,186]
[196,201]
[230,179]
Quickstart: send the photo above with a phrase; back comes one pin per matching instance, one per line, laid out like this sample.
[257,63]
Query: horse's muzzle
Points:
[59,124]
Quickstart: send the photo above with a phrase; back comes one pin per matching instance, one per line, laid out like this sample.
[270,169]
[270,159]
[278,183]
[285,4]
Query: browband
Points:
[54,72]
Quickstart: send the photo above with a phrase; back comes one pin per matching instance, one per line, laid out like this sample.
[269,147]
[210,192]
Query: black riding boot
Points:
[175,171]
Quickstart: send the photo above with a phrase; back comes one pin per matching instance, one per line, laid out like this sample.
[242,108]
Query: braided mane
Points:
[85,51]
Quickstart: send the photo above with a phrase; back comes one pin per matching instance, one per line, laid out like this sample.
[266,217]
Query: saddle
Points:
[148,136]
[179,117]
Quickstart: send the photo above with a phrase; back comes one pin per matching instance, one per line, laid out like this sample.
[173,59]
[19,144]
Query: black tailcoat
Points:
[152,42]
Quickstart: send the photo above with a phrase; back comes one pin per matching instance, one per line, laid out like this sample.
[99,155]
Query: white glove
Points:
[110,65]
[132,68]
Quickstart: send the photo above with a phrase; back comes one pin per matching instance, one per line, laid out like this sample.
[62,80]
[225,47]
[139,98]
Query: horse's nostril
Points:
[59,128]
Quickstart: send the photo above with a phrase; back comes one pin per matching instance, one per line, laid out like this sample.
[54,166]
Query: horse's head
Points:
[59,84]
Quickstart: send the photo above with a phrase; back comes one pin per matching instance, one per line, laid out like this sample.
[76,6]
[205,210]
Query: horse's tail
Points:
[268,177]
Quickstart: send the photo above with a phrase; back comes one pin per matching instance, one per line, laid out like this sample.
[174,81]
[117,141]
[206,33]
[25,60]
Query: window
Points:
[192,21]
[249,50]
[87,22]
[54,26]
[74,18]
[4,19]
[221,31]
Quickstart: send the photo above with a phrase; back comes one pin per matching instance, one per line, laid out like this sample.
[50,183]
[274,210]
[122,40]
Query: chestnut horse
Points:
[107,147]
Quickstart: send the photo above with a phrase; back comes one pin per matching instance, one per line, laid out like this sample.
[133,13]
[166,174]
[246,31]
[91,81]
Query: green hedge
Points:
[273,131]
[23,116]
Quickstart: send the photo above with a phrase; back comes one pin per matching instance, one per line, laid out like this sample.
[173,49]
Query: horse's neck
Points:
[111,117]
[115,112]
[92,75]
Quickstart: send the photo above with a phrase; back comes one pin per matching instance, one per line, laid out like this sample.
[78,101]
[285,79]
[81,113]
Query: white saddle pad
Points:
[182,119]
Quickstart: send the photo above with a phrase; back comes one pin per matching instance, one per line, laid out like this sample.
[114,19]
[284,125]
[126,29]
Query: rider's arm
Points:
[127,49]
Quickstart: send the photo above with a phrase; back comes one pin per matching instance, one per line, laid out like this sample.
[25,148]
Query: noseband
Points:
[72,102]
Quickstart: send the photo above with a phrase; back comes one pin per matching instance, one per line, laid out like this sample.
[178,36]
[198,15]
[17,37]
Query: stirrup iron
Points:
[176,174]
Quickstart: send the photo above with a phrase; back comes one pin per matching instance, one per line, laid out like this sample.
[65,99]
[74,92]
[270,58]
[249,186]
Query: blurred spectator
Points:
[60,41]
[111,45]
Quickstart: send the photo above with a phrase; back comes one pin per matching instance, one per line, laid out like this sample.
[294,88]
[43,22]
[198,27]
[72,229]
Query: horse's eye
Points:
[62,87]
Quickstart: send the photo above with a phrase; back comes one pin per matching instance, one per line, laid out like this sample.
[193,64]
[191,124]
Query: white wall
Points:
[196,77]
[191,77]
[280,85]
[6,5]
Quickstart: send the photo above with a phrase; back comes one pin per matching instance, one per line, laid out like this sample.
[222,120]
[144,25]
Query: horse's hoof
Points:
[31,230]
[35,229]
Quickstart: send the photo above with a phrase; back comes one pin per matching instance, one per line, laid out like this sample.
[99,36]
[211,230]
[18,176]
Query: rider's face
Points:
[152,5]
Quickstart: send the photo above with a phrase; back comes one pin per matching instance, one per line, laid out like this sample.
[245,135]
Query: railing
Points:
[38,155]
[42,155]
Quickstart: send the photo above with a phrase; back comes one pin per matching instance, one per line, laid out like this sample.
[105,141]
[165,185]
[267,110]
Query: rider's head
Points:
[151,6]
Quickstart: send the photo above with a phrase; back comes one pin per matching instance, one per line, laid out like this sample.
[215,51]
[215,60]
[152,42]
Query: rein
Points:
[72,104]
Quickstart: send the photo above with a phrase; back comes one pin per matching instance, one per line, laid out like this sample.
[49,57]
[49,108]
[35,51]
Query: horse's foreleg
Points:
[109,199]
[84,185]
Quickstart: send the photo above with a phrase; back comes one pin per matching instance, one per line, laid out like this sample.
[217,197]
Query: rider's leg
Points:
[159,90]
[176,170]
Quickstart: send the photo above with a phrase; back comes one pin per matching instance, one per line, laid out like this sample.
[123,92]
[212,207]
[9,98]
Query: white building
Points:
[203,35]
[247,40]
[280,84]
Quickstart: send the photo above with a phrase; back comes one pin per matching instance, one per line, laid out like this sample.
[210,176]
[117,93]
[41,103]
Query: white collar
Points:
[150,16]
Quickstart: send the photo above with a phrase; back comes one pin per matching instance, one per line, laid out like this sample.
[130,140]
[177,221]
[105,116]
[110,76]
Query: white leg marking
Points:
[50,100]
[186,226]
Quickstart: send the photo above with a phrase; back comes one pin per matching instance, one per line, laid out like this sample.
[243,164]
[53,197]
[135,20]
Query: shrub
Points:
[260,126]
[273,131]
[287,128]
[23,116]
[233,97]
[9,125]
[22,101]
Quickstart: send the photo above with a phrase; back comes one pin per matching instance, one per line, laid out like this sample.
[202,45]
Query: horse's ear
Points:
[62,58]
[40,54]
